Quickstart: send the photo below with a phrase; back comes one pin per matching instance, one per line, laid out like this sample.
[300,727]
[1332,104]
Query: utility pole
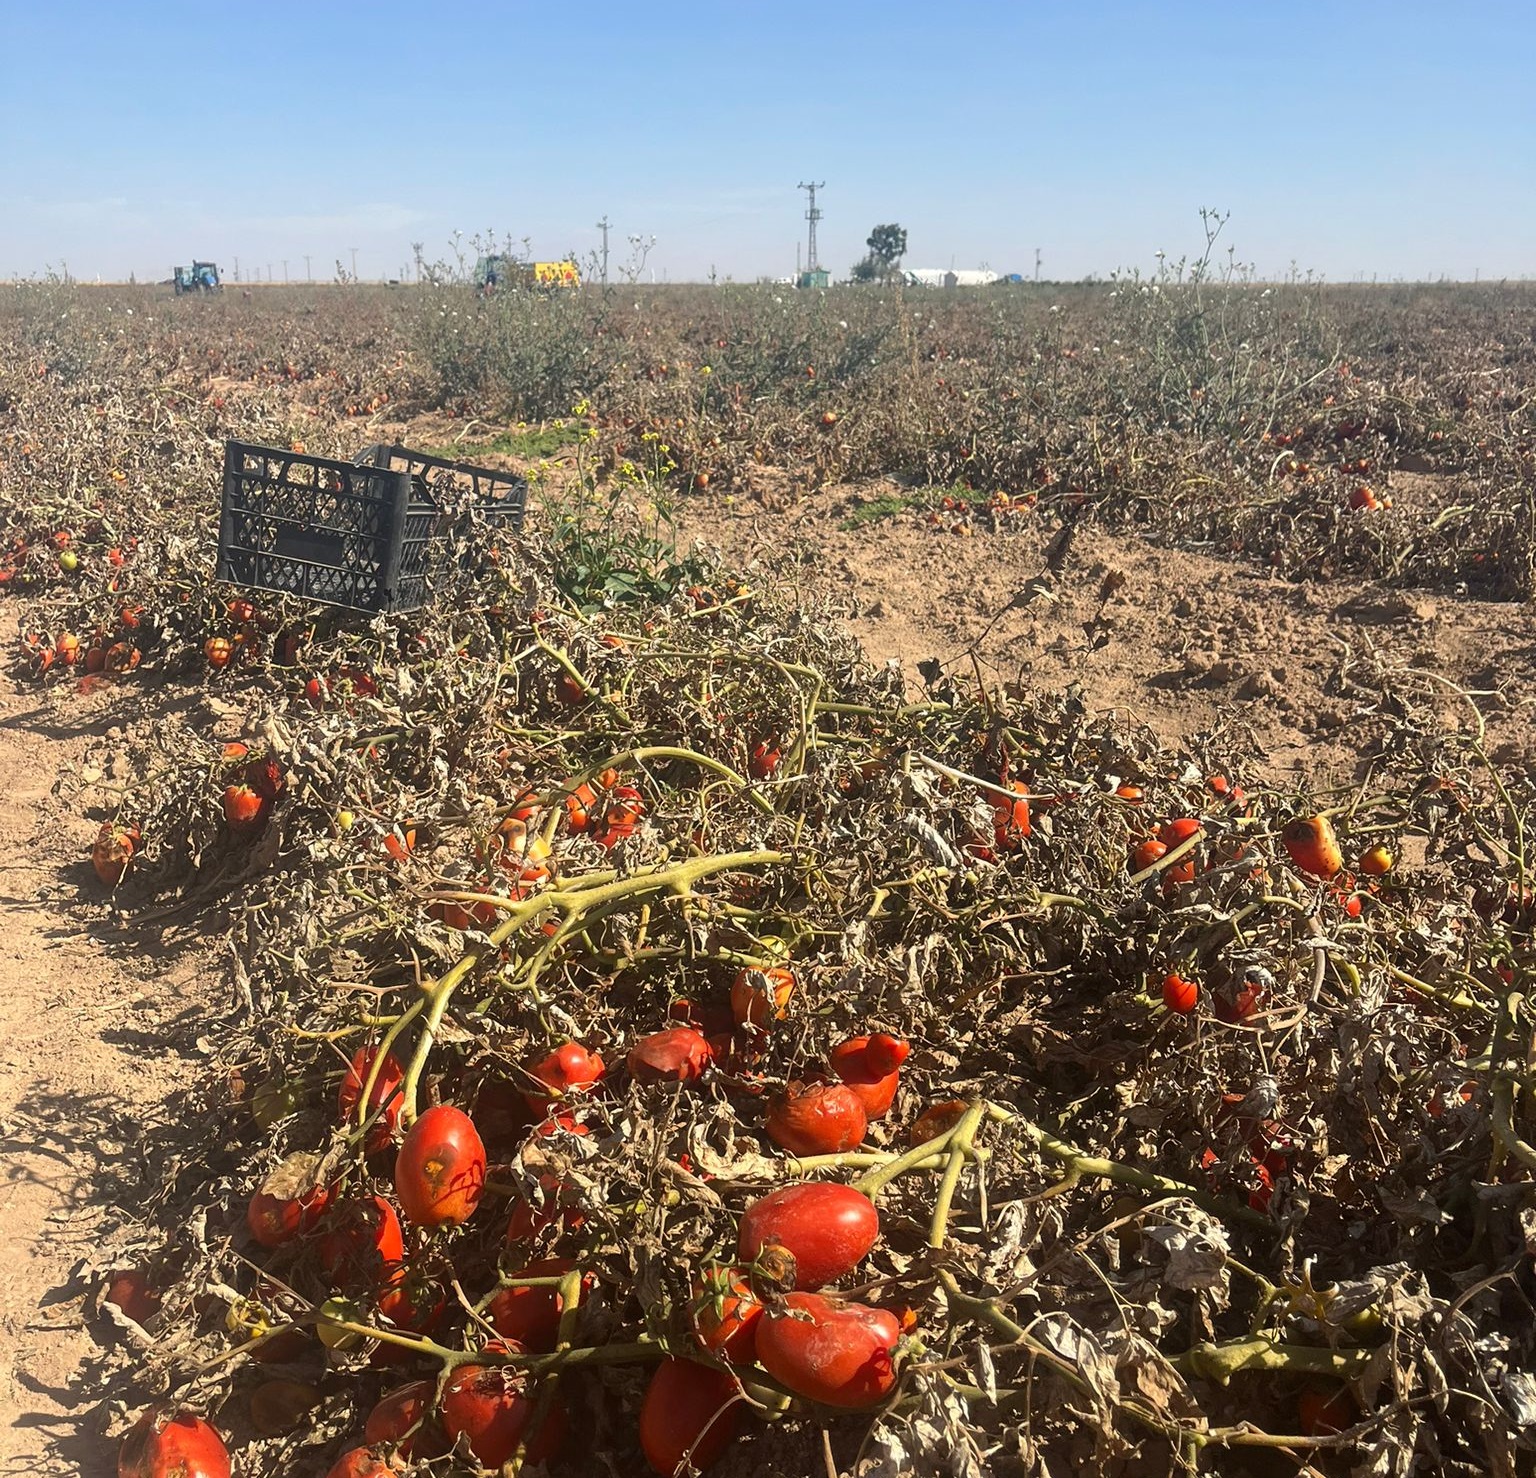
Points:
[812,215]
[603,226]
[353,250]
[269,271]
[308,275]
[285,271]
[237,269]
[1037,264]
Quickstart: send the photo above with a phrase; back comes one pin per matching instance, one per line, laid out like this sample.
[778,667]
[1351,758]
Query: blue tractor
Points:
[200,277]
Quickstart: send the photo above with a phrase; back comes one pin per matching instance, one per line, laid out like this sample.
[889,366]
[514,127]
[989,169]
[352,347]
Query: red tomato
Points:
[384,1099]
[724,1313]
[440,1171]
[363,1244]
[621,816]
[288,1201]
[366,1462]
[817,1119]
[1179,995]
[1144,854]
[528,1220]
[868,1066]
[1322,1413]
[167,1443]
[412,1304]
[566,1069]
[531,1316]
[492,1406]
[133,1293]
[828,1228]
[404,1417]
[1010,819]
[677,1055]
[1181,829]
[689,1416]
[839,1354]
[765,759]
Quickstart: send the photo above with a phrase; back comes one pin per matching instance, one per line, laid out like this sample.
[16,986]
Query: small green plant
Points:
[887,505]
[543,440]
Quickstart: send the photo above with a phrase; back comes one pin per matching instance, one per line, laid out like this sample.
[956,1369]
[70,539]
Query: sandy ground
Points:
[1181,642]
[87,1028]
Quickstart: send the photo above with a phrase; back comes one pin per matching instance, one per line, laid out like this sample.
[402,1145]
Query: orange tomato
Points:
[757,995]
[1313,847]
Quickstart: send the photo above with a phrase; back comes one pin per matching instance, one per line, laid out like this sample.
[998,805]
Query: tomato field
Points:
[650,1032]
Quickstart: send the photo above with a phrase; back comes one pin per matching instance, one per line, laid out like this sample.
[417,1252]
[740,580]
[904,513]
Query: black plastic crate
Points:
[368,534]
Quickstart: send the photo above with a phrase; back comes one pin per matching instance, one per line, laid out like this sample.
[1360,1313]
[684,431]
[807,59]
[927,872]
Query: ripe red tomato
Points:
[677,1055]
[839,1354]
[492,1406]
[1010,819]
[689,1416]
[288,1202]
[363,1245]
[411,1304]
[724,1314]
[531,1316]
[133,1293]
[440,1171]
[1179,995]
[167,1443]
[1313,846]
[869,1067]
[383,1100]
[567,1069]
[404,1417]
[621,816]
[366,1462]
[765,759]
[557,1208]
[828,1229]
[1144,854]
[817,1119]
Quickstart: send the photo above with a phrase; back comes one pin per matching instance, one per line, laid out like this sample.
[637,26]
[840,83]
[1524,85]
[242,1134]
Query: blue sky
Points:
[1396,139]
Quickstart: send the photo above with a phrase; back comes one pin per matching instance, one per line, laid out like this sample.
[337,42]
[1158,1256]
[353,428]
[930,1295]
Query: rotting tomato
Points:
[621,817]
[413,1303]
[724,1314]
[245,811]
[113,851]
[677,1055]
[937,1119]
[764,760]
[366,1462]
[362,1245]
[1324,1413]
[493,1407]
[133,1294]
[1010,819]
[758,995]
[168,1443]
[384,1100]
[1312,845]
[440,1171]
[869,1067]
[531,1315]
[568,1069]
[827,1228]
[817,1119]
[289,1201]
[840,1354]
[689,1416]
[1376,862]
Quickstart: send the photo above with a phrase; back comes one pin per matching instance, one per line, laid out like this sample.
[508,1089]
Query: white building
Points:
[948,277]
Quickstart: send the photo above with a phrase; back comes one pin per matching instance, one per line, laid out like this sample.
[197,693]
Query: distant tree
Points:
[867,269]
[887,246]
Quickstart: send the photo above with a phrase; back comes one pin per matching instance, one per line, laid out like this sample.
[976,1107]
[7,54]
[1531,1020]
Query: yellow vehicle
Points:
[501,271]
